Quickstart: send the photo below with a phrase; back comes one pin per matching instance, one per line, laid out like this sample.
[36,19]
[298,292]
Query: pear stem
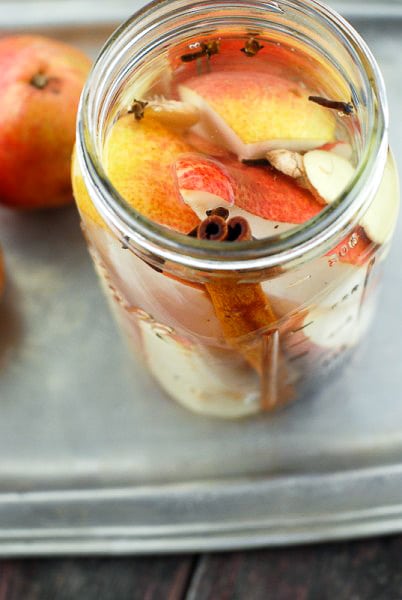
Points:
[39,81]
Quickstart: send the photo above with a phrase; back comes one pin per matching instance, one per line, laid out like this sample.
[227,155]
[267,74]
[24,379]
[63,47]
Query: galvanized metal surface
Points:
[94,458]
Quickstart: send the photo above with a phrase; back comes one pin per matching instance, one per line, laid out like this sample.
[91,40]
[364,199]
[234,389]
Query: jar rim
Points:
[167,245]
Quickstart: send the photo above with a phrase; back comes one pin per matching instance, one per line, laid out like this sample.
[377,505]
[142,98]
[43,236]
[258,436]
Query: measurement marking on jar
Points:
[302,328]
[342,326]
[366,282]
[345,249]
[302,280]
[140,314]
[300,356]
[126,241]
[299,343]
[274,7]
[354,240]
[162,330]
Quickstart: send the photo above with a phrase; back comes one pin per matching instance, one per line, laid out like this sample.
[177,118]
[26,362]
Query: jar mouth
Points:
[151,239]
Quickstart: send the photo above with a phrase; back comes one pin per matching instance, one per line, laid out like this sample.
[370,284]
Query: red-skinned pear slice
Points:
[271,195]
[379,220]
[204,185]
[201,179]
[251,113]
[327,174]
[271,203]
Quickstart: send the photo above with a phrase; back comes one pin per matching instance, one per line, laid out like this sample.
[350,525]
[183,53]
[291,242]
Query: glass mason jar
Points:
[195,310]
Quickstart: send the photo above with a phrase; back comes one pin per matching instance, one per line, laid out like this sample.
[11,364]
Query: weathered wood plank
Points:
[159,578]
[368,570]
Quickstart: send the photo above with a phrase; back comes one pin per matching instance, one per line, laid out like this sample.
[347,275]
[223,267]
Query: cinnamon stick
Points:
[213,228]
[242,310]
[239,230]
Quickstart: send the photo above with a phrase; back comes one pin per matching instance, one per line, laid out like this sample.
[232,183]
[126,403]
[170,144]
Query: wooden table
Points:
[367,570]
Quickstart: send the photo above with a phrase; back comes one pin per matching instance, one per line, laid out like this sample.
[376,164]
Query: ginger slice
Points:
[328,173]
[325,174]
[289,163]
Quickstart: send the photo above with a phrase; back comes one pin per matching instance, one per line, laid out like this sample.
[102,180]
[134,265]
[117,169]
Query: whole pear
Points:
[40,85]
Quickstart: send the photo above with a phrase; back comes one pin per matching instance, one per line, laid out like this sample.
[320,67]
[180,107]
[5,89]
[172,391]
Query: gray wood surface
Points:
[367,570]
[162,578]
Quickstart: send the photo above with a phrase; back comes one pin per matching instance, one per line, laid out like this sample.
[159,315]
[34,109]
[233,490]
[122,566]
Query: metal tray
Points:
[95,459]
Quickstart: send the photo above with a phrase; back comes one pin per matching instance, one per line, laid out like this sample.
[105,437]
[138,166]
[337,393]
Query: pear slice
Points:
[270,203]
[250,113]
[324,173]
[173,113]
[379,220]
[340,148]
[210,382]
[327,174]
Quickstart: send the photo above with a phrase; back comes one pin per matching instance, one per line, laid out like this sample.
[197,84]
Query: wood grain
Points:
[161,578]
[369,570]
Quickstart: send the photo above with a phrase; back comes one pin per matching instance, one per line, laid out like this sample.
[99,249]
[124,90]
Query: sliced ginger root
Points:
[325,174]
[289,163]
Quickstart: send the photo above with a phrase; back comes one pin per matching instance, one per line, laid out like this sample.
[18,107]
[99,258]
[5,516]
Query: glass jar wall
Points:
[233,329]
